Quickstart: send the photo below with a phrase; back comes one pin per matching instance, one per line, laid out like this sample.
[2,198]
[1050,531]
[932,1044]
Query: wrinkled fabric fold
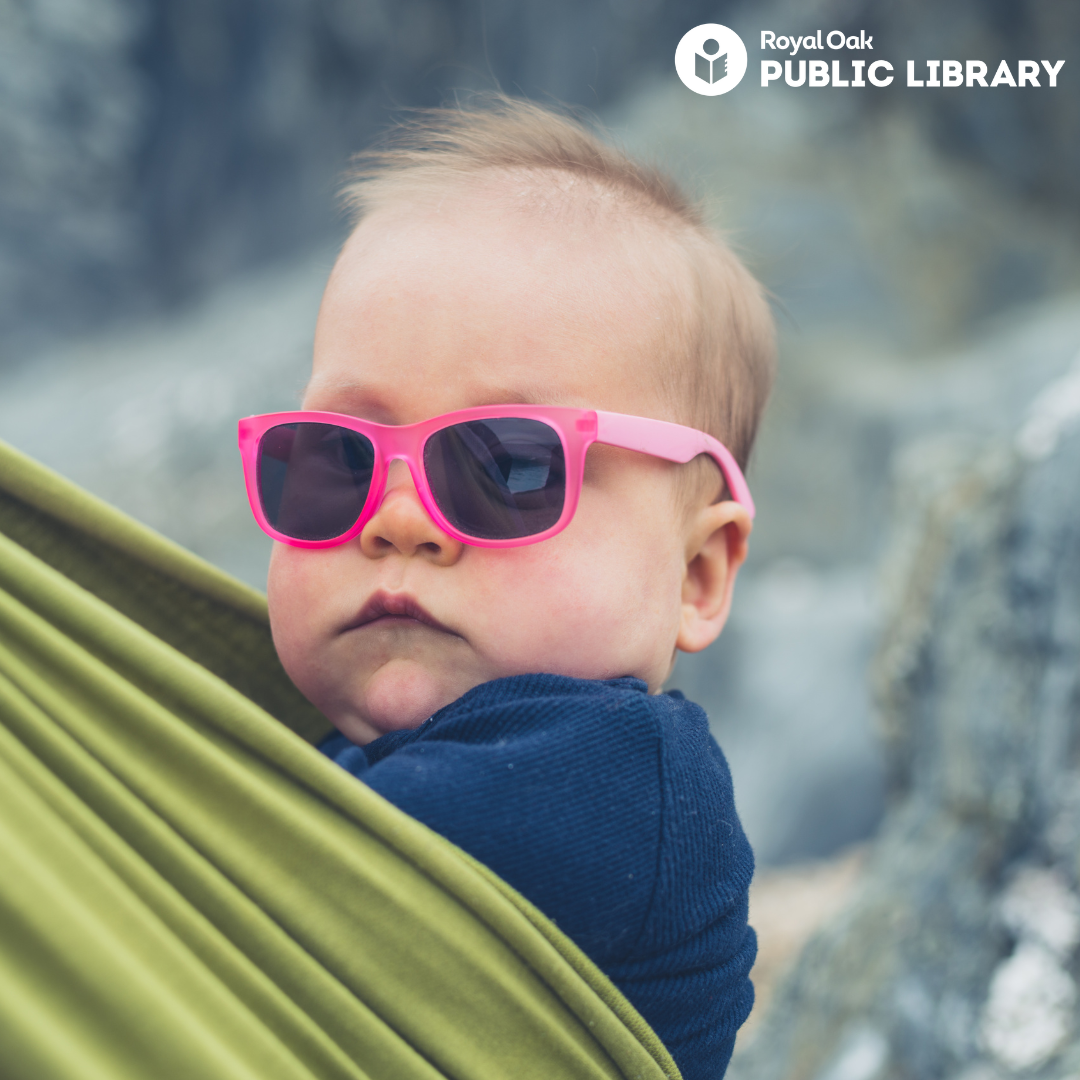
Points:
[188,888]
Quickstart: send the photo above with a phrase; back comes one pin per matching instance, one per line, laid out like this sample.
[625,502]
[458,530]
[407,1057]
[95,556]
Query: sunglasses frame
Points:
[577,429]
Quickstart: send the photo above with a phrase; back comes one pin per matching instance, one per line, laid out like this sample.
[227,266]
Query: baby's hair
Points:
[721,355]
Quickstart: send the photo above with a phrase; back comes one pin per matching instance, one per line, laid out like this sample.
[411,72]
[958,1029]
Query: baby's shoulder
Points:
[558,706]
[596,719]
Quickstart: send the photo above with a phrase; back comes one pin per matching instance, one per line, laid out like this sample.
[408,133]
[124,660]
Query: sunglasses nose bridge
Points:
[410,463]
[399,443]
[402,444]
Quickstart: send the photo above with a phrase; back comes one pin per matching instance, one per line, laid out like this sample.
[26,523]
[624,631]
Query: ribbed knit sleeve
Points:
[612,811]
[688,973]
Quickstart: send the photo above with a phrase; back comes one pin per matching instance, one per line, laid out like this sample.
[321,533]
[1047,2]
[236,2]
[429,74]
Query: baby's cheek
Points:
[631,600]
[576,609]
[517,603]
[281,587]
[295,600]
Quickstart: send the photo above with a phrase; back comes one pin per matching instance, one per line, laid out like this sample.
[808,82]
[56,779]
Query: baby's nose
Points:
[401,525]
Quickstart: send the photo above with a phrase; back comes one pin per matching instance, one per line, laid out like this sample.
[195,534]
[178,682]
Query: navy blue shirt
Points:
[612,811]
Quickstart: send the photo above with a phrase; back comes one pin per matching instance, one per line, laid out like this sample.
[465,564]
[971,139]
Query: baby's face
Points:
[428,312]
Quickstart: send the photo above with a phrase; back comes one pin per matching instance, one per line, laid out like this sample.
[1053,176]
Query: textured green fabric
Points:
[189,889]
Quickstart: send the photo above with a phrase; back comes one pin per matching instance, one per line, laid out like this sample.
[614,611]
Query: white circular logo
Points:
[711,59]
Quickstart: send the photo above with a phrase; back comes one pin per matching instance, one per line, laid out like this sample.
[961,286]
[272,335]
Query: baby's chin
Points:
[402,694]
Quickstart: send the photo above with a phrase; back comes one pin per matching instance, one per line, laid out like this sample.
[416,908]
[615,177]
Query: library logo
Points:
[710,59]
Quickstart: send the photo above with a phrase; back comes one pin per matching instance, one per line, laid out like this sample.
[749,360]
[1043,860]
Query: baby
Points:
[495,536]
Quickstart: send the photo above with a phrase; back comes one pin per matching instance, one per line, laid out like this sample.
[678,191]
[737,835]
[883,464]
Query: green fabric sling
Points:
[189,889]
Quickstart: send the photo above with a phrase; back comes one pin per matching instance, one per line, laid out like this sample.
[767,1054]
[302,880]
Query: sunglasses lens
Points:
[314,479]
[497,479]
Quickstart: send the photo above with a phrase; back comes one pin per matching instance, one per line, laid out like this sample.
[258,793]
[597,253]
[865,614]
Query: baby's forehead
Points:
[532,232]
[507,297]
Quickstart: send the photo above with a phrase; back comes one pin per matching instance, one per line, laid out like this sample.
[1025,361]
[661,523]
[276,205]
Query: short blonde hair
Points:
[721,370]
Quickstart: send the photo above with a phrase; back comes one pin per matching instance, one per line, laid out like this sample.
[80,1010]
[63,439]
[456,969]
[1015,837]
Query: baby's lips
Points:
[395,605]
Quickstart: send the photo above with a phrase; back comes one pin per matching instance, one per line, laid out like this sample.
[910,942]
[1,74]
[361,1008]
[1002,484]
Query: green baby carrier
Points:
[189,889]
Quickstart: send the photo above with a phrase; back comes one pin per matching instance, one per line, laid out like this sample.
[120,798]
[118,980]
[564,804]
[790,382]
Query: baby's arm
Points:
[689,971]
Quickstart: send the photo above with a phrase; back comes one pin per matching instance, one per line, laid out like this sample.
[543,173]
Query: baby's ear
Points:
[716,547]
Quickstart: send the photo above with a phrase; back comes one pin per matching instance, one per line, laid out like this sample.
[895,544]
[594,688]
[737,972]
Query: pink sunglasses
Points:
[493,476]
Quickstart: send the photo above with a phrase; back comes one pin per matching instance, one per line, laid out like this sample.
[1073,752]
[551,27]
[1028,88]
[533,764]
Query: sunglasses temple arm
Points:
[673,442]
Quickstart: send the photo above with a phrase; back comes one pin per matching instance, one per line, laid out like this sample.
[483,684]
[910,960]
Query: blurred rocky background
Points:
[956,954]
[167,221]
[152,149]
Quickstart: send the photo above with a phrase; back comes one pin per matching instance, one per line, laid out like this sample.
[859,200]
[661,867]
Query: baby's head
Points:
[506,256]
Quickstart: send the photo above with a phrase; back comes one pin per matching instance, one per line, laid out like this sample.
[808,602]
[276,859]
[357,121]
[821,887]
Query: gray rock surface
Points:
[958,956]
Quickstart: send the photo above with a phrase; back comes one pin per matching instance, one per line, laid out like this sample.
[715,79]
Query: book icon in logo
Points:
[708,66]
[711,60]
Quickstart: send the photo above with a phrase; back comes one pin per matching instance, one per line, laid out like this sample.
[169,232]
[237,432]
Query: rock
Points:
[958,955]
